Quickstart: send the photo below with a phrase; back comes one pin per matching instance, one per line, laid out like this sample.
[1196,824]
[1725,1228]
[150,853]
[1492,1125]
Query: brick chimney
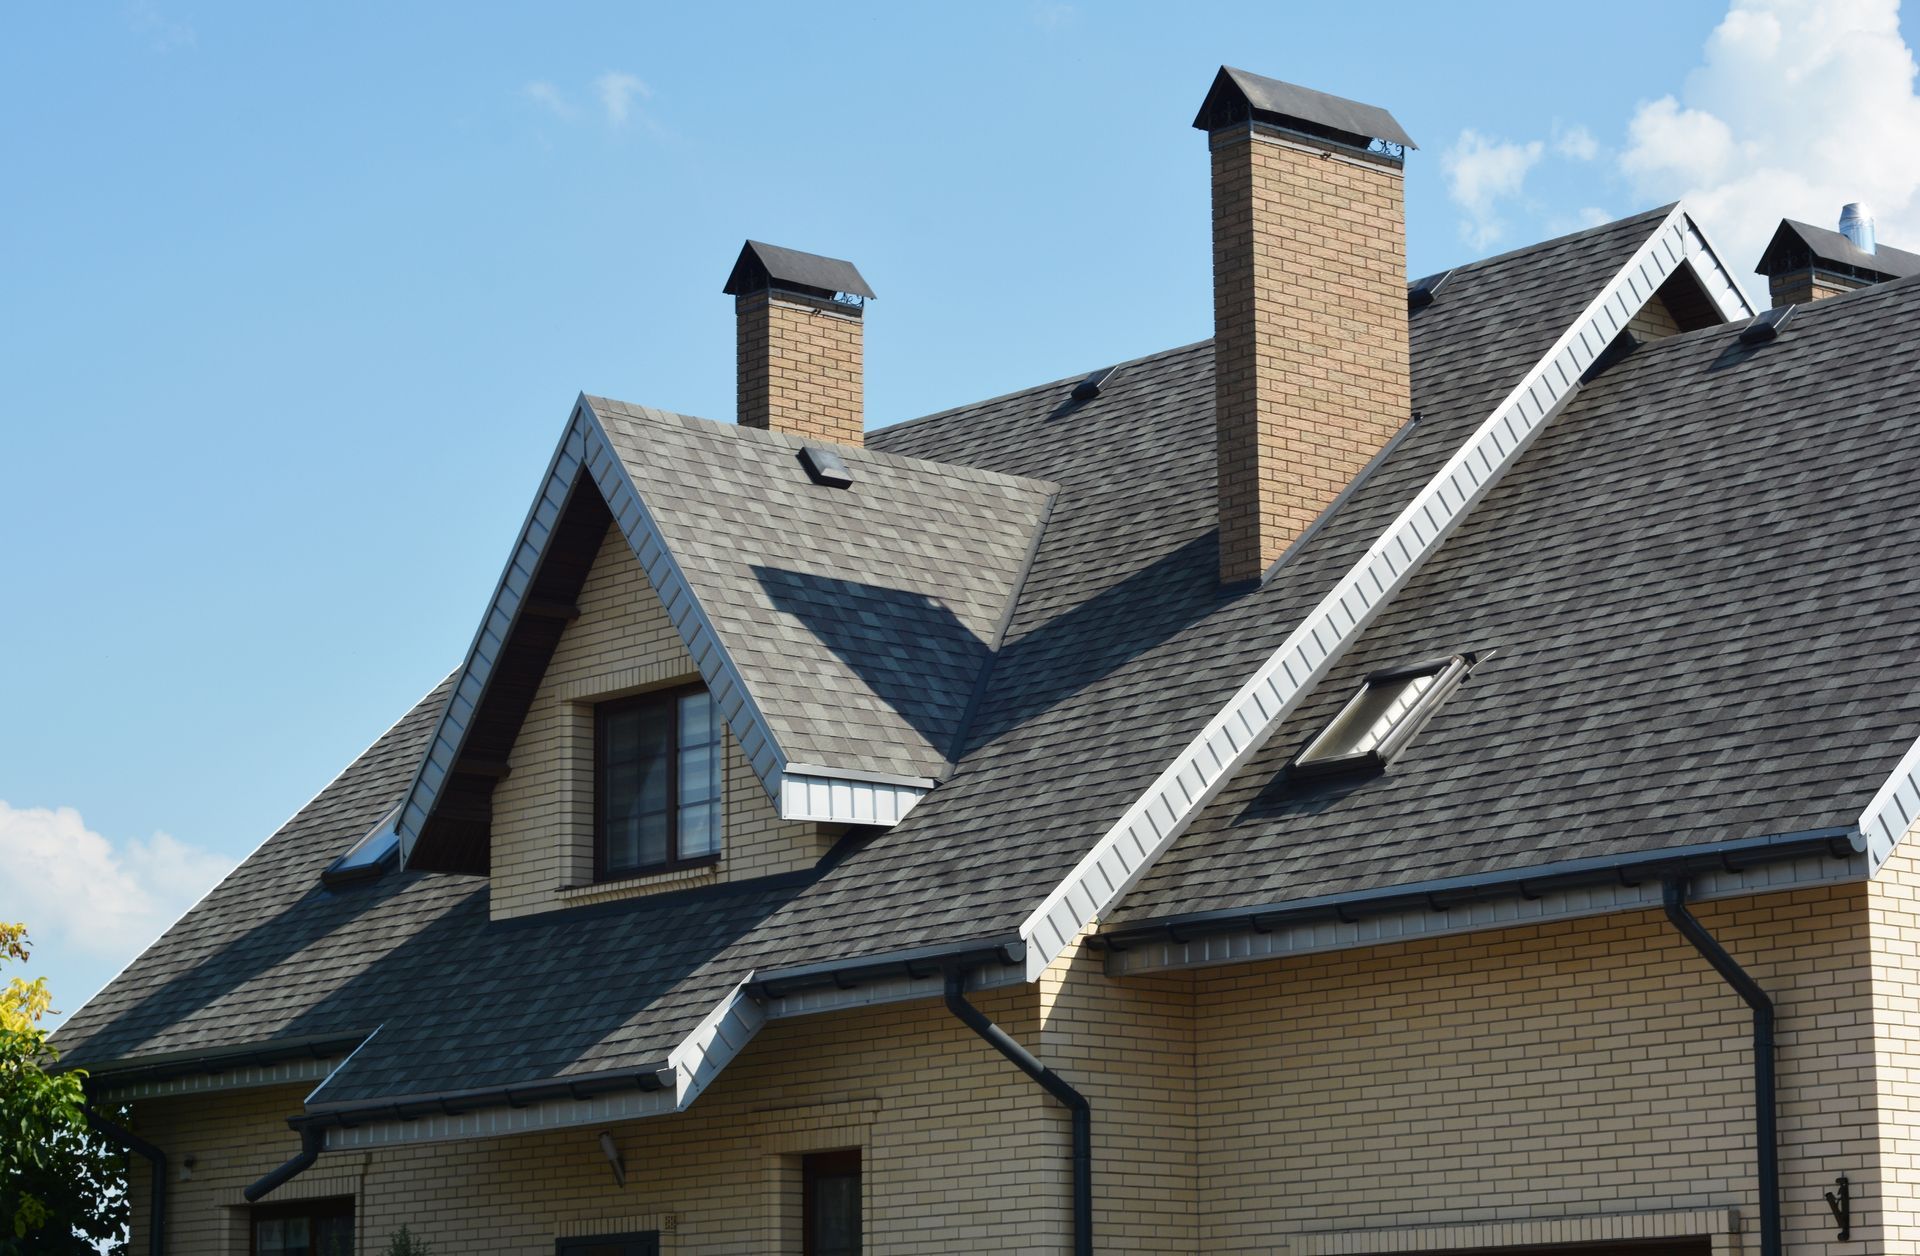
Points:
[1805,263]
[798,320]
[1309,304]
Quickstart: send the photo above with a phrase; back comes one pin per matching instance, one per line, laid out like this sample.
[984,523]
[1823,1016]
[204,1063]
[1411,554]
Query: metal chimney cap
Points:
[1856,223]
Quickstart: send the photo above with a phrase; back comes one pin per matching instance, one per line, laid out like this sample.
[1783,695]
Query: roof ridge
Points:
[750,435]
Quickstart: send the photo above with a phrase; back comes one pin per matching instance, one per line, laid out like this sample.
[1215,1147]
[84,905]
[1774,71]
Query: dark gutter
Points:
[313,1124]
[1630,870]
[458,1102]
[1072,1100]
[1766,1132]
[157,1217]
[924,961]
[151,1068]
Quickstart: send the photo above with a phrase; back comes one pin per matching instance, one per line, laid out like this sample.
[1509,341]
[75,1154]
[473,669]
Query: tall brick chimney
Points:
[798,320]
[1309,304]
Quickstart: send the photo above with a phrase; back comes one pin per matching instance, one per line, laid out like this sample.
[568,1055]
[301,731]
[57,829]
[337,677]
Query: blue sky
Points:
[295,299]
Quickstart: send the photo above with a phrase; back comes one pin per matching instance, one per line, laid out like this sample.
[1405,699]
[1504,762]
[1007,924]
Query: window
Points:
[371,856]
[643,1244]
[656,782]
[830,1207]
[1390,708]
[312,1227]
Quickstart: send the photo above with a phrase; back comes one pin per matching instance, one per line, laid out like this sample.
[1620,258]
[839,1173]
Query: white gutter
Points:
[1234,735]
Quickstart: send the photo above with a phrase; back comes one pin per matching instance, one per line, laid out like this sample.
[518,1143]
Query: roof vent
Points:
[1856,223]
[1089,388]
[1766,325]
[1422,293]
[825,466]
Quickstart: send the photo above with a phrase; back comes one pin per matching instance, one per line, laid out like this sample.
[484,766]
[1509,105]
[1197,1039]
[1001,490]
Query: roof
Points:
[1119,647]
[1695,622]
[1797,244]
[859,617]
[1237,95]
[761,266]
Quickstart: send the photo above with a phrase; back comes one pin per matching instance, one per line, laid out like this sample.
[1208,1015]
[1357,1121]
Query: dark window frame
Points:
[329,1208]
[648,1242]
[667,703]
[837,1161]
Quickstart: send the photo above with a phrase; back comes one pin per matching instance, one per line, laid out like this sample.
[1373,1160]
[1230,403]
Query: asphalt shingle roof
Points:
[859,617]
[1692,584]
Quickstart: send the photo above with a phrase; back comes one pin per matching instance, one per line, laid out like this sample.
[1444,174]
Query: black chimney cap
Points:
[762,266]
[1237,96]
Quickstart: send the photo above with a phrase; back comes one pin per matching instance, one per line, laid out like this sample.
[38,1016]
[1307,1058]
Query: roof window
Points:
[373,855]
[1381,719]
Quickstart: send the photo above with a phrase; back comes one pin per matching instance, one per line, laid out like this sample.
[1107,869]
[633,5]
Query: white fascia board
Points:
[1234,735]
[250,1077]
[829,797]
[1893,811]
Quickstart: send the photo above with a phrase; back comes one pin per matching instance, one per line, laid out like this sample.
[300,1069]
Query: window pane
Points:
[333,1236]
[270,1237]
[635,757]
[1369,718]
[700,830]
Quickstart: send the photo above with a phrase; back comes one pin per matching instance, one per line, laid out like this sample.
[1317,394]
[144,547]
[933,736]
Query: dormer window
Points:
[1381,719]
[656,783]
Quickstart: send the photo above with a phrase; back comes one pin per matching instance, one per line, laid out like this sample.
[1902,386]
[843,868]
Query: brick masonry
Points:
[1310,333]
[800,366]
[622,643]
[1582,1081]
[1799,287]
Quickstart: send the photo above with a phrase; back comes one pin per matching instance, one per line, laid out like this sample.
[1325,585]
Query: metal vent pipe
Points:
[1856,223]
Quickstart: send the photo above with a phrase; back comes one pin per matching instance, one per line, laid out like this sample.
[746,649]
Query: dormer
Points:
[715,650]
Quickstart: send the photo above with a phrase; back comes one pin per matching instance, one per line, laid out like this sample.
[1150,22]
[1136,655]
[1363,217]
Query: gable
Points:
[841,632]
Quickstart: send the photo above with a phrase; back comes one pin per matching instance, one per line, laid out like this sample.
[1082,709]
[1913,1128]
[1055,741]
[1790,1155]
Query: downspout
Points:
[312,1138]
[1766,1135]
[157,1218]
[1054,1084]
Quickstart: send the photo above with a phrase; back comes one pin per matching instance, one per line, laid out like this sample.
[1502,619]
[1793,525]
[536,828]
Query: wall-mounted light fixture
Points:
[611,1150]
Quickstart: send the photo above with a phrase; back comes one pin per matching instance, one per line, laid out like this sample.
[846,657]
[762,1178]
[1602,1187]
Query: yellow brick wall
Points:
[1128,1047]
[800,367]
[1591,1066]
[622,643]
[1310,334]
[962,1152]
[1654,321]
[1893,905]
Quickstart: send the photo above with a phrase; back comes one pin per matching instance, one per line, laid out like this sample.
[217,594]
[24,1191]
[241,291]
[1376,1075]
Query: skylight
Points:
[372,855]
[1377,722]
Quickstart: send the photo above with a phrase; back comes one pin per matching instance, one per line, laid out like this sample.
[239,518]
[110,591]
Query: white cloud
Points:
[1054,16]
[617,92]
[1482,173]
[78,891]
[1796,107]
[550,98]
[1575,143]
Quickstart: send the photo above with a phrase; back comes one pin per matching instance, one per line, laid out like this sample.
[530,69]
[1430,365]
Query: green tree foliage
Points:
[62,1189]
[404,1244]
